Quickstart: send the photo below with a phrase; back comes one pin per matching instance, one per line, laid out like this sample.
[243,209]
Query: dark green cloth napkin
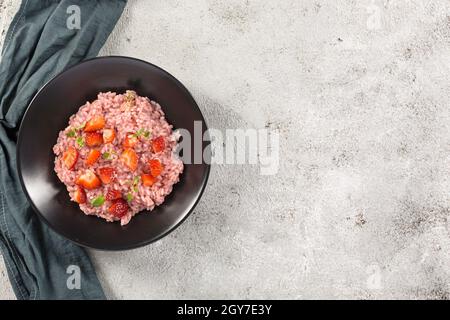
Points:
[39,44]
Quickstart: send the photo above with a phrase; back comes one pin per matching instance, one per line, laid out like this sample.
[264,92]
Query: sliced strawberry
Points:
[106,174]
[109,135]
[119,208]
[94,124]
[113,195]
[130,140]
[70,157]
[158,144]
[92,157]
[155,167]
[89,180]
[93,139]
[147,180]
[130,159]
[79,195]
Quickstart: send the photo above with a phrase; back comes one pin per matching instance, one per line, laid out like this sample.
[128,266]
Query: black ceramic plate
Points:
[49,112]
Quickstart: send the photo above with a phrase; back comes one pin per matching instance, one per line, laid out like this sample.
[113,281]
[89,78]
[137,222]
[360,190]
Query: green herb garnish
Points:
[106,155]
[129,197]
[71,134]
[135,183]
[80,142]
[97,202]
[141,132]
[137,134]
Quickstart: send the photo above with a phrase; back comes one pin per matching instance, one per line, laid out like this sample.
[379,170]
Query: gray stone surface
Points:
[360,207]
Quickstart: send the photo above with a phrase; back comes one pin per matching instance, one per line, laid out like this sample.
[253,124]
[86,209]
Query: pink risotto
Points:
[116,157]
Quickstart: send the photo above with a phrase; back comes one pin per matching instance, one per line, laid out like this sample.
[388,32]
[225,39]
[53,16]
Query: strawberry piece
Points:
[112,194]
[92,157]
[109,135]
[94,124]
[89,180]
[70,157]
[130,140]
[119,208]
[147,180]
[130,159]
[155,167]
[79,195]
[93,139]
[158,144]
[106,174]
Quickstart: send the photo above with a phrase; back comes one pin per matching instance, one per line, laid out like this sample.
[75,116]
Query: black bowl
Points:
[49,112]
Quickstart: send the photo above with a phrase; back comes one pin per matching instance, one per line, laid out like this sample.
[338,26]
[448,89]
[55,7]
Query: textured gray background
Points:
[359,91]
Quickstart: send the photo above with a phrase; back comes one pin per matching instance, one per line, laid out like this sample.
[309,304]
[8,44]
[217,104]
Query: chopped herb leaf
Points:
[80,142]
[135,183]
[97,202]
[138,133]
[71,134]
[129,196]
[142,132]
[106,155]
